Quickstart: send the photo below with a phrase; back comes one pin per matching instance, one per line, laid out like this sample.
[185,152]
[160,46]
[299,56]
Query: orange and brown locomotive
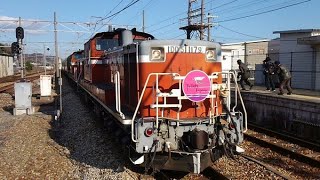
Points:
[170,97]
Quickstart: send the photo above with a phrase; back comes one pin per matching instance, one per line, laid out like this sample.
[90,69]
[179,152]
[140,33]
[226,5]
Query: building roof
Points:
[296,31]
[247,42]
[313,40]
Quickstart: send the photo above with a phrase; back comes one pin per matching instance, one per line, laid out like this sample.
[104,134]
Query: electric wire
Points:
[264,12]
[241,33]
[255,14]
[170,18]
[113,15]
[134,18]
[257,10]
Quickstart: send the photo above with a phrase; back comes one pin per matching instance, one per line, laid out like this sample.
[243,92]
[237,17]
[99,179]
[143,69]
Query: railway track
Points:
[10,87]
[18,76]
[208,173]
[283,144]
[285,137]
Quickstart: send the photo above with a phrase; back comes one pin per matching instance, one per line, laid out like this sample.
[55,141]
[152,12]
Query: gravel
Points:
[285,164]
[36,147]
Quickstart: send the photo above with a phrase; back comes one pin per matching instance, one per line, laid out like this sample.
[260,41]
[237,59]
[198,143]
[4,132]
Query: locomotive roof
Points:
[181,42]
[118,31]
[78,52]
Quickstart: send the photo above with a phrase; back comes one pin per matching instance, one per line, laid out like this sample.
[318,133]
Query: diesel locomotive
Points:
[169,97]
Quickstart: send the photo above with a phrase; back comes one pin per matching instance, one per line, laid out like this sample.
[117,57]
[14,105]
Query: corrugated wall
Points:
[6,66]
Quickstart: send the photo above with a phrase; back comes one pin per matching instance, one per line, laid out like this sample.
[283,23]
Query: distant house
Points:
[230,53]
[251,53]
[298,53]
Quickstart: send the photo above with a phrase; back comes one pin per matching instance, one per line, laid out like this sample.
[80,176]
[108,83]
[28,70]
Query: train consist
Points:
[169,98]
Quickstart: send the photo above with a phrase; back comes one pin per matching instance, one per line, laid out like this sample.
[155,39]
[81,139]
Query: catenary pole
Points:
[57,64]
[20,55]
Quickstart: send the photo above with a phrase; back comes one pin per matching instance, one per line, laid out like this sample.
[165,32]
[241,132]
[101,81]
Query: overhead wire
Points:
[126,7]
[264,12]
[131,3]
[241,32]
[170,18]
[139,13]
[237,7]
[162,27]
[255,10]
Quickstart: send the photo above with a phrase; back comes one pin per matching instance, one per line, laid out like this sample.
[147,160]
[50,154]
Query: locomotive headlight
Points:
[157,54]
[210,54]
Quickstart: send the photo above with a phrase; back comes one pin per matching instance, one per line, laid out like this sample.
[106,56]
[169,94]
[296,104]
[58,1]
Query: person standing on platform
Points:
[245,74]
[268,72]
[284,77]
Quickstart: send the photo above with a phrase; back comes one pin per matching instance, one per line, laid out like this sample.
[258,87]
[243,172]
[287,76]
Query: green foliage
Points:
[28,66]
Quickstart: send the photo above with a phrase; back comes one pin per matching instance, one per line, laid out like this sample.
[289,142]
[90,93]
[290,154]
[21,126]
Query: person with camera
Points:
[268,72]
[284,77]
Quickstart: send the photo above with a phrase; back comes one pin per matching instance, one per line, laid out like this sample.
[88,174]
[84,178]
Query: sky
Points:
[234,20]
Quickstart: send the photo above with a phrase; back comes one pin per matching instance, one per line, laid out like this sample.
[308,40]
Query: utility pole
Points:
[57,66]
[194,14]
[143,21]
[209,26]
[202,21]
[21,52]
[44,59]
[37,62]
[189,19]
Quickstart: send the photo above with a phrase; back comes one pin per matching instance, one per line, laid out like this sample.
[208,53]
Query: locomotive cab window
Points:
[105,44]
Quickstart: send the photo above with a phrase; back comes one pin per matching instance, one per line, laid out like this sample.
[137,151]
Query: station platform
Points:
[298,94]
[297,114]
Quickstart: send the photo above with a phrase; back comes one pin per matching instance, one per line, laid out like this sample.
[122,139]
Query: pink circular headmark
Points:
[196,85]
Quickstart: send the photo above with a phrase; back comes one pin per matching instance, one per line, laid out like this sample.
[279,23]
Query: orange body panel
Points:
[180,63]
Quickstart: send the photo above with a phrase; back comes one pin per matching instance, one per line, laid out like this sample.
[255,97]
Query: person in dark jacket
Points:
[245,74]
[284,77]
[268,72]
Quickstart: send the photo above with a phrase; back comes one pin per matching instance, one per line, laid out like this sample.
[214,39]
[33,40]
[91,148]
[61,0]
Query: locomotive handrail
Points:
[237,92]
[237,87]
[180,78]
[241,100]
[140,99]
[117,90]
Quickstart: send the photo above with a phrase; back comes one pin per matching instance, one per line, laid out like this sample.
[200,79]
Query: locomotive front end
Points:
[183,119]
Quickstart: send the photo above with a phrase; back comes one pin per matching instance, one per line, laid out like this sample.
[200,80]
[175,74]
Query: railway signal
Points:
[19,33]
[15,48]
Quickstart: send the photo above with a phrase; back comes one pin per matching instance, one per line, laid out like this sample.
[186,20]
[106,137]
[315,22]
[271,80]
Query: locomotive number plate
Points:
[185,49]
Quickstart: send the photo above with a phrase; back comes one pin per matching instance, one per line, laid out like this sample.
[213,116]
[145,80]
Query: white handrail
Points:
[180,78]
[118,95]
[237,92]
[140,99]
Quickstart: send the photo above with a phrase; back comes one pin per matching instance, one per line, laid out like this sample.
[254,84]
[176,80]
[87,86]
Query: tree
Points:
[28,66]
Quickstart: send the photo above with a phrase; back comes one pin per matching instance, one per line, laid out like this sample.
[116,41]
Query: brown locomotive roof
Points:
[118,31]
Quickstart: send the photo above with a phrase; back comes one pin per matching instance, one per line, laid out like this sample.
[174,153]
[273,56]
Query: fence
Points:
[304,67]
